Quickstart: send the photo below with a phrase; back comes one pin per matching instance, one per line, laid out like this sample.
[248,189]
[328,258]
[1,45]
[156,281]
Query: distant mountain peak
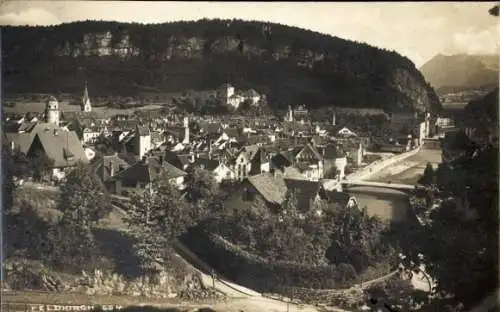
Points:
[461,71]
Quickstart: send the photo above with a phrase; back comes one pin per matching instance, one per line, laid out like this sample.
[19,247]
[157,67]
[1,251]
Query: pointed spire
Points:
[86,106]
[85,92]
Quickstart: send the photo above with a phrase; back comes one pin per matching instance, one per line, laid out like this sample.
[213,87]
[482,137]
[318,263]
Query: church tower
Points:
[52,111]
[86,105]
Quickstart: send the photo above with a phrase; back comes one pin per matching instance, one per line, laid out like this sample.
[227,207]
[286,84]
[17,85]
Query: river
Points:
[392,205]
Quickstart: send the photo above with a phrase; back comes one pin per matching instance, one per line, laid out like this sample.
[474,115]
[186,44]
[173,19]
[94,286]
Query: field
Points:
[64,106]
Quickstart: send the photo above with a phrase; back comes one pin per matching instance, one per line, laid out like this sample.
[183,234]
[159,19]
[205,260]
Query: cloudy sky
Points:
[416,30]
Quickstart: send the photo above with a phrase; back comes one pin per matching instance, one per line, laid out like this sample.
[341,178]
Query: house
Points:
[272,190]
[309,161]
[90,135]
[137,142]
[259,161]
[228,136]
[241,164]
[181,161]
[334,157]
[253,96]
[345,132]
[63,147]
[145,172]
[219,169]
[231,97]
[300,113]
[107,167]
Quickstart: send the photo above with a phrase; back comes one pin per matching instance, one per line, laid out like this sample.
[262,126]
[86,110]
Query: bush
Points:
[262,274]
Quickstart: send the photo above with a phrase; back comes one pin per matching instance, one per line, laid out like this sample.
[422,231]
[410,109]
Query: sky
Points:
[417,30]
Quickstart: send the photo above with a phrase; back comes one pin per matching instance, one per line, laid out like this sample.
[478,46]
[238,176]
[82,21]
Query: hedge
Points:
[258,273]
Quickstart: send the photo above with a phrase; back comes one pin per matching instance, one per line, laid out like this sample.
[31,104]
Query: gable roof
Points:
[206,164]
[105,164]
[272,189]
[210,128]
[62,146]
[21,140]
[150,171]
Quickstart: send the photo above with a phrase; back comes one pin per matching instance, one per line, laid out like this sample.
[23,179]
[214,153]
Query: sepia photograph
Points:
[176,156]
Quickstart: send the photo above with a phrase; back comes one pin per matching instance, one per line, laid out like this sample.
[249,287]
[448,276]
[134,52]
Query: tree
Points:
[22,166]
[356,237]
[83,198]
[202,192]
[40,165]
[156,217]
[8,184]
[459,250]
[396,293]
[428,177]
[69,245]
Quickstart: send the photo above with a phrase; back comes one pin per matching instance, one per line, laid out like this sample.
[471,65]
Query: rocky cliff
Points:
[290,65]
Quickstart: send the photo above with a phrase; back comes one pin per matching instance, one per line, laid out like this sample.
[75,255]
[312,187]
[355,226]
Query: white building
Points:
[231,97]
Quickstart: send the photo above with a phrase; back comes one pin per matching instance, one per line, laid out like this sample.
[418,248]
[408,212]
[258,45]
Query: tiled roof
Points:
[107,162]
[62,146]
[206,164]
[210,128]
[150,171]
[21,140]
[272,189]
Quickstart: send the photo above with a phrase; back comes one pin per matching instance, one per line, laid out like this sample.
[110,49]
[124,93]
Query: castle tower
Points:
[86,105]
[186,131]
[52,111]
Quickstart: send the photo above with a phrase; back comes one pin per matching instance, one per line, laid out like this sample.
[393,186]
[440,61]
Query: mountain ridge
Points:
[291,65]
[461,71]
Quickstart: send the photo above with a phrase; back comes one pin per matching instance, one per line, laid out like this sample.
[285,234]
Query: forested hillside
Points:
[290,65]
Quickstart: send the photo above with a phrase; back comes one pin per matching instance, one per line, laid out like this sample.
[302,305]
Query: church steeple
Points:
[86,105]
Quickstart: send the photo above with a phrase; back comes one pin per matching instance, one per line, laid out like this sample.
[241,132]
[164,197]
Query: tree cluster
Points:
[35,166]
[459,245]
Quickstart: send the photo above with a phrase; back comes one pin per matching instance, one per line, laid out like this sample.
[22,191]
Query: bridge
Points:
[395,186]
[333,184]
